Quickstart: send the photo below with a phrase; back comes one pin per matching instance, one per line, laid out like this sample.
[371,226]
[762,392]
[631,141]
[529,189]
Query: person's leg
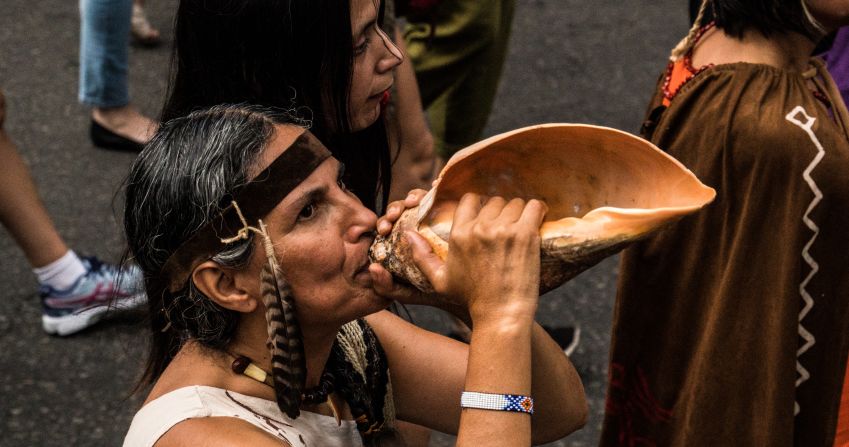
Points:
[104,41]
[458,67]
[468,103]
[21,210]
[75,292]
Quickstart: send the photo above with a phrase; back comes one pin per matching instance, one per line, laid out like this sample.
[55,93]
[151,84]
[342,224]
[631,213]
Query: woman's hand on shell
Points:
[396,208]
[493,258]
[382,281]
[384,284]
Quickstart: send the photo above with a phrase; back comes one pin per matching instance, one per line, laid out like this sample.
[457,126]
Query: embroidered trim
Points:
[633,405]
[687,61]
[807,126]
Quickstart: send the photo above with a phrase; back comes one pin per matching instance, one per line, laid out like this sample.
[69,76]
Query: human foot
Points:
[142,31]
[101,288]
[122,128]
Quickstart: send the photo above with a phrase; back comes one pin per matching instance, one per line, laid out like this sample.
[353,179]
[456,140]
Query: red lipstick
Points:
[384,99]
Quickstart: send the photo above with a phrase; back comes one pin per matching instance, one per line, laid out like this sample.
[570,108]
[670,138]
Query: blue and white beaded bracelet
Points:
[498,402]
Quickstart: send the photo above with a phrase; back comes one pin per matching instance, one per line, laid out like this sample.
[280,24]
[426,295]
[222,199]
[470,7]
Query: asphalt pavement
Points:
[569,61]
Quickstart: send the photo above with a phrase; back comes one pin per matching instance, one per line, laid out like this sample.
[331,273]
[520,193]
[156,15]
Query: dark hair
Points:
[294,54]
[174,189]
[769,17]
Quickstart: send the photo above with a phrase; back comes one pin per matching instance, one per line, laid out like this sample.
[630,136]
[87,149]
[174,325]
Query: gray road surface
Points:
[570,61]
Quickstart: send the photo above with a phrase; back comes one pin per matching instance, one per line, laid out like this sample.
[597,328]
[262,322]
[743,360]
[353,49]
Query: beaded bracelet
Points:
[499,402]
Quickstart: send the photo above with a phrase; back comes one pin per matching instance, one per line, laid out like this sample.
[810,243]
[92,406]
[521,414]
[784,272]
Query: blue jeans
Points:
[104,42]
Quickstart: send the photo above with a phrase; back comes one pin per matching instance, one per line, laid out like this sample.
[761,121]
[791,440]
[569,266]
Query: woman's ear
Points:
[224,286]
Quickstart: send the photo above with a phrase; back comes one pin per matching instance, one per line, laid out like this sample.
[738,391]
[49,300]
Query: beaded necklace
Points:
[318,394]
[365,388]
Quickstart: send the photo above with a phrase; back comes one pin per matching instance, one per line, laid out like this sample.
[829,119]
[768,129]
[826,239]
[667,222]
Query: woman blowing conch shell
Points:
[267,320]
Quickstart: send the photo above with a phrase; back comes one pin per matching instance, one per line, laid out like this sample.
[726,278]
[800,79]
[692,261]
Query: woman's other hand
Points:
[382,281]
[396,208]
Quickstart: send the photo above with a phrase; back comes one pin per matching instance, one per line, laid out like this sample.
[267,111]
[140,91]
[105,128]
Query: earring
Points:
[288,364]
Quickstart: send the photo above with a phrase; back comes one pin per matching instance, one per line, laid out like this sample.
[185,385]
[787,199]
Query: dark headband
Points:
[255,199]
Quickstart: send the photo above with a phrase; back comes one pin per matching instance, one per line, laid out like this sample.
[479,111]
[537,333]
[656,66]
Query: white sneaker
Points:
[101,288]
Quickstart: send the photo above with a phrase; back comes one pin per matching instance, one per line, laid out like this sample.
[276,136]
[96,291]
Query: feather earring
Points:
[288,364]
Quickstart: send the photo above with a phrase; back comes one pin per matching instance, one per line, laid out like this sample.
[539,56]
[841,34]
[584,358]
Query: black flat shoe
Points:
[106,139]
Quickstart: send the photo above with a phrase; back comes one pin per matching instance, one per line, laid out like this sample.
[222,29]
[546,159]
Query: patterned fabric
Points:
[499,402]
[732,326]
[359,365]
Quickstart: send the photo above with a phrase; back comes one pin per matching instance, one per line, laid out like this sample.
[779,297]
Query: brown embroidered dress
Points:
[731,328]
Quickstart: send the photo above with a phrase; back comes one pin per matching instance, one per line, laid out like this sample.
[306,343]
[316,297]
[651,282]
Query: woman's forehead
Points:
[363,12]
[283,138]
[327,171]
[317,184]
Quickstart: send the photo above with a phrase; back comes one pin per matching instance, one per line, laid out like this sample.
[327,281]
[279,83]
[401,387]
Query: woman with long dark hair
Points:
[267,318]
[327,61]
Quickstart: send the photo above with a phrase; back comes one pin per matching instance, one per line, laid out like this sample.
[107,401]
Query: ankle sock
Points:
[61,273]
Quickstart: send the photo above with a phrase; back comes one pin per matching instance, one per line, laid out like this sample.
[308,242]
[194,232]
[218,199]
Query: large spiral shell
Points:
[604,188]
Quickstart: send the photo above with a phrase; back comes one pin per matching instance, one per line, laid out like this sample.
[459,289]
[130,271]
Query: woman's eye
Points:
[307,212]
[342,184]
[361,48]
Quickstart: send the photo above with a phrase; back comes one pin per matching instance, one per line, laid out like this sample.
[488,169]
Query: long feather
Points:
[288,365]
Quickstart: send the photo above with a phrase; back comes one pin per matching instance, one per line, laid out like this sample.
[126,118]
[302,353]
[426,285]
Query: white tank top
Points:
[310,429]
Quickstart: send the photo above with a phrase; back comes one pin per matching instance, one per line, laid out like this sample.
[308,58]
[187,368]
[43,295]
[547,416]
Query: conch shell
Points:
[604,188]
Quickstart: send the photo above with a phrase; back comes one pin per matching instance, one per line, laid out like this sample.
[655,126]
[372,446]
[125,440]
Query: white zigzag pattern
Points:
[807,126]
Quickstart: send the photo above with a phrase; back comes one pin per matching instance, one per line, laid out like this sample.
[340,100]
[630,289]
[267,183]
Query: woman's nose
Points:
[362,221]
[392,57]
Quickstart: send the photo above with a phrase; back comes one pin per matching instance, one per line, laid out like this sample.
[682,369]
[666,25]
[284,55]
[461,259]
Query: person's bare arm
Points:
[409,132]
